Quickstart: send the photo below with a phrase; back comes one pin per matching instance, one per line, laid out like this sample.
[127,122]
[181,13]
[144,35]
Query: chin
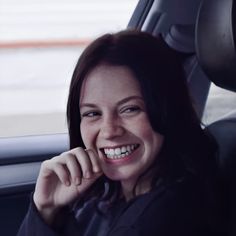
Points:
[120,175]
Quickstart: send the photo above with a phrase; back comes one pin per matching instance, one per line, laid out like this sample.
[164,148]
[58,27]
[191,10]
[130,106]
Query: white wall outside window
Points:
[220,103]
[40,42]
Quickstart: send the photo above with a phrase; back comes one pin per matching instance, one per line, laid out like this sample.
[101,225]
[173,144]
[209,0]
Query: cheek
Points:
[143,128]
[85,133]
[151,138]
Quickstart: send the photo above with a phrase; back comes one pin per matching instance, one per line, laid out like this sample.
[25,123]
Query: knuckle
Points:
[64,153]
[45,164]
[78,150]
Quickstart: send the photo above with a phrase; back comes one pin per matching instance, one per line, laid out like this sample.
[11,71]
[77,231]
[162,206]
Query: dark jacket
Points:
[180,209]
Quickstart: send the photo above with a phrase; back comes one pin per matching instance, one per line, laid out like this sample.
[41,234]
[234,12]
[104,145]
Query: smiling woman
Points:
[139,163]
[114,117]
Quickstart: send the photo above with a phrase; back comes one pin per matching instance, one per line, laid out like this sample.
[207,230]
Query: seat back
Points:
[215,47]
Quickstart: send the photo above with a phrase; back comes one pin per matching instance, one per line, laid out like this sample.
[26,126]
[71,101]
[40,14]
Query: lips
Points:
[119,152]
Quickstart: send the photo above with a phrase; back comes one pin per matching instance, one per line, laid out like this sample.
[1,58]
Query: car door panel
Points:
[20,160]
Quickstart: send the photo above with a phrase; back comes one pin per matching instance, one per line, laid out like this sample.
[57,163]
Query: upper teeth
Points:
[120,152]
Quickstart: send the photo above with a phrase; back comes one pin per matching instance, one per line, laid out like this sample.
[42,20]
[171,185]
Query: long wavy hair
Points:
[160,74]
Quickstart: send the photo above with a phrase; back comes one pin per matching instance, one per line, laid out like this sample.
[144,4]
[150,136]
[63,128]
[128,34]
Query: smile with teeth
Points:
[120,152]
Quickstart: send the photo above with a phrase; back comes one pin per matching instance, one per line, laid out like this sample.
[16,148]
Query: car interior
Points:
[215,47]
[203,33]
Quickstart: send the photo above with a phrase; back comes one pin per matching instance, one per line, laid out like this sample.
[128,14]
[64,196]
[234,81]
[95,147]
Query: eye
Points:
[90,114]
[130,109]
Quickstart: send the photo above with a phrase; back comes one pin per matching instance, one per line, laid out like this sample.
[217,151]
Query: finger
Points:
[94,160]
[60,171]
[84,161]
[70,165]
[74,168]
[86,183]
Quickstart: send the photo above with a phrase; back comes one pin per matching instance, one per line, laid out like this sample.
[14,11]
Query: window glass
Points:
[220,103]
[40,42]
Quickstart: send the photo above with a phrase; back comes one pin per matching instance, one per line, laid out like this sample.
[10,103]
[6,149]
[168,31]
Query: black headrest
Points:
[216,41]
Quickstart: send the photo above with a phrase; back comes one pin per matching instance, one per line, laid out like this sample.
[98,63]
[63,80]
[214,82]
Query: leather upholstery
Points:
[216,41]
[215,47]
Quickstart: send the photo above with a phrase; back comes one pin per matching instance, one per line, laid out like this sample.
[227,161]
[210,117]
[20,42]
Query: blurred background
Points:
[40,43]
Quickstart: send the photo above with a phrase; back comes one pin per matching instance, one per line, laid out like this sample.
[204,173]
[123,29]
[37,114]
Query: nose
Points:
[111,128]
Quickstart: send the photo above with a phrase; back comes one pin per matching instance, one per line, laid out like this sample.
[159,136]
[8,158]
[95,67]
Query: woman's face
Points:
[114,123]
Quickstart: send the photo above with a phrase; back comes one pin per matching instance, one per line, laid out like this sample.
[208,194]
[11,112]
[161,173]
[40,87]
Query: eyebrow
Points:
[125,100]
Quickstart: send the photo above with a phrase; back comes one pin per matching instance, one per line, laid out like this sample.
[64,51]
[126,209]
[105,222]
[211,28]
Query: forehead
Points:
[109,83]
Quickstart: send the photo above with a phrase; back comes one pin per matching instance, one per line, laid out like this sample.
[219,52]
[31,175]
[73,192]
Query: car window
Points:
[220,103]
[40,42]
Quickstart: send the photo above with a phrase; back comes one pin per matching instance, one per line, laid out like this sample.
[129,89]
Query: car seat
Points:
[216,53]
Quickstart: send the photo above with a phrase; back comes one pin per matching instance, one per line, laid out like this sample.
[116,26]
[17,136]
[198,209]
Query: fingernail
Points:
[67,183]
[96,169]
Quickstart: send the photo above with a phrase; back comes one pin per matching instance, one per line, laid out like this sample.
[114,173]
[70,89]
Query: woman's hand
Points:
[63,178]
